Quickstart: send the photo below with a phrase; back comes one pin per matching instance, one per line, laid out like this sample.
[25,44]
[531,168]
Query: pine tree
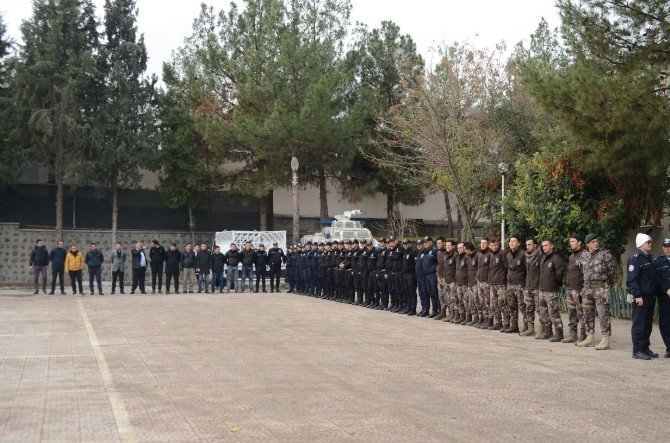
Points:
[57,86]
[387,67]
[10,152]
[125,118]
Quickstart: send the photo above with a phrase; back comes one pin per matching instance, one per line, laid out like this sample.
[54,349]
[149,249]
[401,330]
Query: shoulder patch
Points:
[631,268]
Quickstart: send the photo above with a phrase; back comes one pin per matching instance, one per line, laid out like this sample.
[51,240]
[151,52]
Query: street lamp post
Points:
[295,191]
[503,168]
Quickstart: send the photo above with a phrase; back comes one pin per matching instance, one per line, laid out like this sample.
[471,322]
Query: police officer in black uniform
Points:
[382,278]
[641,285]
[662,274]
[408,272]
[362,273]
[372,277]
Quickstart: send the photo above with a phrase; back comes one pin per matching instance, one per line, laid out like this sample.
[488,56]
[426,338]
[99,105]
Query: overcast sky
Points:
[165,23]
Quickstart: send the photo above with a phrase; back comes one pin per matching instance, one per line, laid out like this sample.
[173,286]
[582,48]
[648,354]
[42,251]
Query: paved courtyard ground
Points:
[282,367]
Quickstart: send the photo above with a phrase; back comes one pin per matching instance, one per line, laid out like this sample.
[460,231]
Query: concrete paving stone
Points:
[281,367]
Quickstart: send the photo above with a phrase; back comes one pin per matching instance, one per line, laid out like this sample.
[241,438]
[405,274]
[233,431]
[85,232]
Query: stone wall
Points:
[16,244]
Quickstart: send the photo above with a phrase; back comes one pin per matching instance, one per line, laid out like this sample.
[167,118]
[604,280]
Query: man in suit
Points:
[139,263]
[118,259]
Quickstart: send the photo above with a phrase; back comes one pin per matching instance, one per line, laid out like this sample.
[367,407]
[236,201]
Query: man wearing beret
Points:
[599,270]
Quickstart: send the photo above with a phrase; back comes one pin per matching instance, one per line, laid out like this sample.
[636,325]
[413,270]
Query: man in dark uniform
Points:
[372,277]
[321,271]
[641,286]
[389,276]
[341,270]
[302,266]
[430,269]
[276,257]
[662,265]
[290,263]
[348,272]
[330,264]
[363,274]
[380,272]
[396,273]
[157,256]
[355,273]
[408,272]
[421,279]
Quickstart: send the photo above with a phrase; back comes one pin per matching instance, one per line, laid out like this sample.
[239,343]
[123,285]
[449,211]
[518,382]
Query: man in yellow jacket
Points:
[74,263]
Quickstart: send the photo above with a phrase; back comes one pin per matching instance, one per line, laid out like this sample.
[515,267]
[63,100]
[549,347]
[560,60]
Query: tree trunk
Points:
[74,207]
[323,194]
[450,219]
[271,211]
[460,222]
[263,212]
[115,213]
[389,205]
[59,202]
[191,225]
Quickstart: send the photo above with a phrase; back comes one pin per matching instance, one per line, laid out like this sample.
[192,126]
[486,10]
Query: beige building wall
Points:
[431,210]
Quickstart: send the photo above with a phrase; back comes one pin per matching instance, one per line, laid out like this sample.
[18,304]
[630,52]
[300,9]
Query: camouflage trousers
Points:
[575,315]
[510,315]
[532,302]
[461,298]
[549,313]
[497,303]
[485,299]
[451,297]
[442,291]
[475,308]
[596,301]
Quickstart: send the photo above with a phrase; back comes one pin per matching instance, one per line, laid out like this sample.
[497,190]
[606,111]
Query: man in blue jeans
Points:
[248,259]
[218,261]
[232,259]
[203,266]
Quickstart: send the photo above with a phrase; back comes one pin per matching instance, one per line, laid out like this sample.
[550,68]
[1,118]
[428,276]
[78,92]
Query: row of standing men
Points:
[486,287]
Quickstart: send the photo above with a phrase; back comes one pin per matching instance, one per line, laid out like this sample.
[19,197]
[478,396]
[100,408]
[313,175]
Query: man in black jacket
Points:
[248,258]
[188,267]
[39,261]
[57,259]
[203,266]
[157,256]
[139,265]
[276,257]
[173,260]
[94,260]
[218,263]
[233,259]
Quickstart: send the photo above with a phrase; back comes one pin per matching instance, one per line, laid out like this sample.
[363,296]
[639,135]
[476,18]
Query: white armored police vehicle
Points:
[341,229]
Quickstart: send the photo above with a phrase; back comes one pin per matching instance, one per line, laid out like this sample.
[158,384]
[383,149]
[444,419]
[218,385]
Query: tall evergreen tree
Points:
[10,154]
[387,68]
[607,88]
[125,118]
[57,84]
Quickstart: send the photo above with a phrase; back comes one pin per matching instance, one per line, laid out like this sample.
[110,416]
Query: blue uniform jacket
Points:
[430,261]
[639,274]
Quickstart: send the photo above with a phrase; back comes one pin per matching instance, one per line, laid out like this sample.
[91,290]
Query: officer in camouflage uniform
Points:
[599,269]
[461,284]
[531,294]
[483,286]
[498,282]
[450,279]
[472,297]
[551,279]
[442,276]
[574,285]
[516,279]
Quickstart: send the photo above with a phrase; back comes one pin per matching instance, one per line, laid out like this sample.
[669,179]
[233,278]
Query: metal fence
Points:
[619,307]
